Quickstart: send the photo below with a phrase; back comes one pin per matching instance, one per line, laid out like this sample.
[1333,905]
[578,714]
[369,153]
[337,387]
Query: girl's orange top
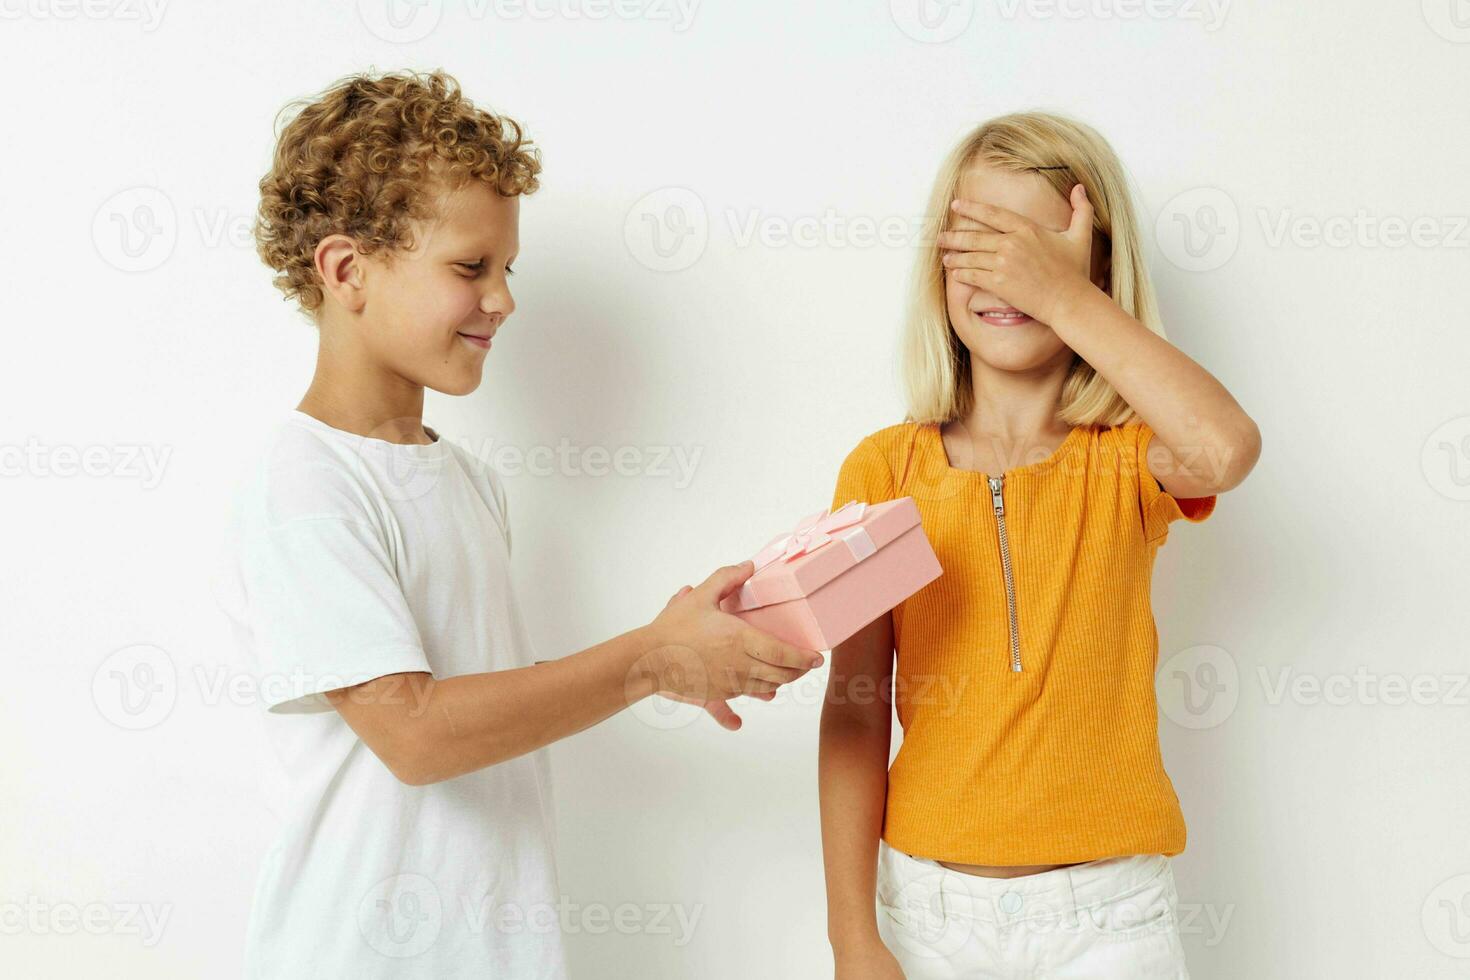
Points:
[1025,673]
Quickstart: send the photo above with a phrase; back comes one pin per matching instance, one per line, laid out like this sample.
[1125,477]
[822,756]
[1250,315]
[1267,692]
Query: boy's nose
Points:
[499,306]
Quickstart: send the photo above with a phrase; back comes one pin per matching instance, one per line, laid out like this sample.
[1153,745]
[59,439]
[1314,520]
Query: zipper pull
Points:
[996,482]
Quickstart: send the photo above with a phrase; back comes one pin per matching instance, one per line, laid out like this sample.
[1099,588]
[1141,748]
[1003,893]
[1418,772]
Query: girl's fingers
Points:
[977,277]
[1082,215]
[969,260]
[970,241]
[998,218]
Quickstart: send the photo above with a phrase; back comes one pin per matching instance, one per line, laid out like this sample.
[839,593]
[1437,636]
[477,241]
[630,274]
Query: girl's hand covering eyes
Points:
[1034,269]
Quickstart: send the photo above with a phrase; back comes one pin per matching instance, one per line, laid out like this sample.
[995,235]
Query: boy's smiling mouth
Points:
[481,341]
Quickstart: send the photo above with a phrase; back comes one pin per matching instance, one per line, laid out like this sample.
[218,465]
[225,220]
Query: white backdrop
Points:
[715,268]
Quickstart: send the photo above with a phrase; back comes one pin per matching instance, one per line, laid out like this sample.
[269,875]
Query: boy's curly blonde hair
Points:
[366,157]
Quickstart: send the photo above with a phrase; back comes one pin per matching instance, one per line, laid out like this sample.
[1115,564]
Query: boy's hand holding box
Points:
[836,572]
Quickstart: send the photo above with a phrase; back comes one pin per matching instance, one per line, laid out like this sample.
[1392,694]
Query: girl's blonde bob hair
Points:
[936,365]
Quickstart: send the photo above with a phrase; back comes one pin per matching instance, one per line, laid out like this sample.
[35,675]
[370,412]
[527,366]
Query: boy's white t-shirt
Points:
[354,558]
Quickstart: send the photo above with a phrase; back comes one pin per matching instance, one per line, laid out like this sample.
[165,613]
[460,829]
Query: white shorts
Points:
[1117,917]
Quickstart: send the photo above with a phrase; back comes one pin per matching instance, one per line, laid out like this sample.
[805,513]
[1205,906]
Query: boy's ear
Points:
[342,272]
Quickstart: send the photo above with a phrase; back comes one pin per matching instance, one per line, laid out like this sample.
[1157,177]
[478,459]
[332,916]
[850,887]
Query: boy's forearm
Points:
[853,783]
[472,721]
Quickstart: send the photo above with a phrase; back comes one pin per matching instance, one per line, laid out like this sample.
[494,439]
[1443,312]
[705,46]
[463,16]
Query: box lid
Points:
[822,547]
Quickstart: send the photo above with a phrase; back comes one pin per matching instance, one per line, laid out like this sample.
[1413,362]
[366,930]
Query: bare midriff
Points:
[1003,871]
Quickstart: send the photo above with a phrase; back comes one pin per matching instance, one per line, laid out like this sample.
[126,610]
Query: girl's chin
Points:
[1014,353]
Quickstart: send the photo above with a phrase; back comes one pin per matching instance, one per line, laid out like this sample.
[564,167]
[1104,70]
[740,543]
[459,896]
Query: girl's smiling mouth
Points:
[1006,316]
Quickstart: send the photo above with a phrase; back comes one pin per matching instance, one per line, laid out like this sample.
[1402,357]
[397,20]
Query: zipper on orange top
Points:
[997,484]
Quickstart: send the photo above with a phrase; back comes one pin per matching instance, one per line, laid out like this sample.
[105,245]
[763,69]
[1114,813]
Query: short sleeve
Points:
[491,489]
[865,476]
[1159,507]
[502,512]
[325,610]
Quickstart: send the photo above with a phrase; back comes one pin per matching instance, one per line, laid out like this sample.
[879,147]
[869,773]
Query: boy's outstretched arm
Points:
[426,730]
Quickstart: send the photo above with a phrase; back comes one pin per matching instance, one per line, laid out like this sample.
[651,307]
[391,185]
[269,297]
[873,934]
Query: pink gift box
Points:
[836,573]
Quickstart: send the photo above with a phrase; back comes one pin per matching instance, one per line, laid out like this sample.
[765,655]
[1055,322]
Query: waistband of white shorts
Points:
[1046,893]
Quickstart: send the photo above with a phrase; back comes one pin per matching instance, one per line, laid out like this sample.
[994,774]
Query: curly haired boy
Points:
[408,717]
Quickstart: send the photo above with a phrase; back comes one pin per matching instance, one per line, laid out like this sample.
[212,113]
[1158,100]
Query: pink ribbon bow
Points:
[810,534]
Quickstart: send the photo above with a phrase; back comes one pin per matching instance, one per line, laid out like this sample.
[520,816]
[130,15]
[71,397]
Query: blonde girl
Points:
[1026,826]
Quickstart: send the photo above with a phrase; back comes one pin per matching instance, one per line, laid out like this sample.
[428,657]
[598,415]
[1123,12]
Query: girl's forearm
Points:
[1191,412]
[853,785]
